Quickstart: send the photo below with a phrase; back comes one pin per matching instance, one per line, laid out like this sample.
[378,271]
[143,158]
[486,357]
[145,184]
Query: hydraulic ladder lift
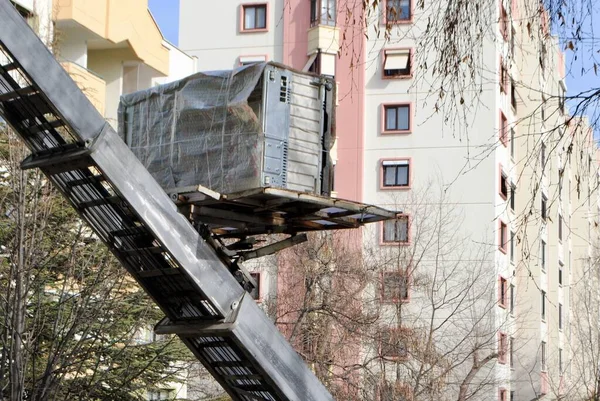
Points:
[93,168]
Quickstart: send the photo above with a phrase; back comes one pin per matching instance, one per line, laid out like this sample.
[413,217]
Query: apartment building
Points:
[522,175]
[110,48]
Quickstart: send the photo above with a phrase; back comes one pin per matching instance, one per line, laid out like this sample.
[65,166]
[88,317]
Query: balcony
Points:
[92,85]
[111,24]
[323,39]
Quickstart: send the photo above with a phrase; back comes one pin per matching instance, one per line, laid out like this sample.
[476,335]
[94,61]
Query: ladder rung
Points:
[130,232]
[151,249]
[231,364]
[158,273]
[59,161]
[8,67]
[45,126]
[94,179]
[18,93]
[250,376]
[214,344]
[99,202]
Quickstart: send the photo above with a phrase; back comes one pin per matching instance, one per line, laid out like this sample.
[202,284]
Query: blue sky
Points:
[166,13]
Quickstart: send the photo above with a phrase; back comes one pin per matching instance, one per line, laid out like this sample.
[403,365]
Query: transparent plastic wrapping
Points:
[204,129]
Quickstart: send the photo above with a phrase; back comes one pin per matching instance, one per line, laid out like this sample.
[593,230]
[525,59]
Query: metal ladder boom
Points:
[117,197]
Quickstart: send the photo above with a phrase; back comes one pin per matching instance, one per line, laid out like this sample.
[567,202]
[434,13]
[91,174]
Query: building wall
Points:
[217,45]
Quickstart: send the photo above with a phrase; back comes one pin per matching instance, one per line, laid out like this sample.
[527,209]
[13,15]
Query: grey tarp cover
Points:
[202,129]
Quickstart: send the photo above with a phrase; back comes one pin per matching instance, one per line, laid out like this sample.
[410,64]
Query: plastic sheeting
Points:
[204,129]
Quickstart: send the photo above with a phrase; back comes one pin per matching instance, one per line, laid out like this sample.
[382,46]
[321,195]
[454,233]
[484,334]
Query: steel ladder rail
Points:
[118,198]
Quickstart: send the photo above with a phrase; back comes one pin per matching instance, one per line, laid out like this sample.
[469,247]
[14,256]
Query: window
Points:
[513,35]
[503,77]
[322,12]
[512,142]
[543,155]
[387,391]
[513,94]
[392,343]
[560,320]
[396,230]
[512,352]
[513,396]
[513,196]
[396,118]
[543,356]
[503,185]
[543,255]
[394,287]
[512,247]
[543,111]
[561,99]
[503,22]
[256,293]
[160,395]
[560,273]
[560,362]
[398,11]
[397,63]
[503,238]
[544,210]
[503,129]
[502,395]
[502,291]
[248,60]
[543,305]
[396,173]
[512,299]
[560,221]
[254,17]
[502,347]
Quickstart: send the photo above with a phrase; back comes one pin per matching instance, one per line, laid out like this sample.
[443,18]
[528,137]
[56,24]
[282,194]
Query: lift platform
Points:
[177,264]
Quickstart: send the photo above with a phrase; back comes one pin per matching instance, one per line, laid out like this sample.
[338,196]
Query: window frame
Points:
[260,58]
[543,247]
[513,194]
[316,17]
[503,22]
[384,109]
[543,305]
[397,21]
[560,316]
[398,331]
[258,278]
[512,298]
[512,142]
[503,134]
[544,208]
[382,170]
[511,352]
[383,242]
[401,274]
[560,227]
[512,247]
[560,273]
[502,347]
[504,186]
[543,356]
[384,55]
[504,77]
[502,292]
[503,240]
[243,8]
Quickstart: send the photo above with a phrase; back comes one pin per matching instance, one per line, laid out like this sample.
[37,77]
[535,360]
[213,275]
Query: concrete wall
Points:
[218,45]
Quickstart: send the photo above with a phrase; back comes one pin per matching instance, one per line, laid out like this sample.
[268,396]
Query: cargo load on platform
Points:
[261,125]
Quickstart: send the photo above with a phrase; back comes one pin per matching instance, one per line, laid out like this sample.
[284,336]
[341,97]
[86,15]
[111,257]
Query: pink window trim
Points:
[504,78]
[502,394]
[394,358]
[409,285]
[504,22]
[411,57]
[502,347]
[265,56]
[400,22]
[500,175]
[396,243]
[503,134]
[396,132]
[241,27]
[502,298]
[501,246]
[382,177]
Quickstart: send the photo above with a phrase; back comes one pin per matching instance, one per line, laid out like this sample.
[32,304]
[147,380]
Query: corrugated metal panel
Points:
[305,140]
